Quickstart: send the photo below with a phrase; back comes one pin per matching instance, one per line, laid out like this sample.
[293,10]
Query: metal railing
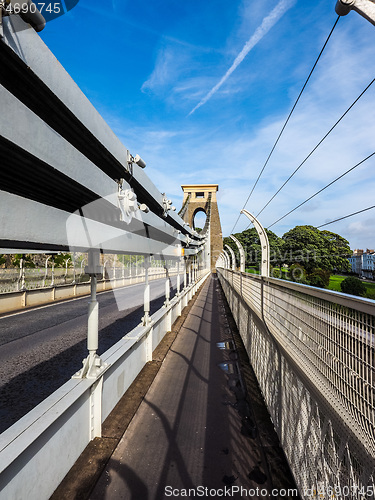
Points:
[54,434]
[313,352]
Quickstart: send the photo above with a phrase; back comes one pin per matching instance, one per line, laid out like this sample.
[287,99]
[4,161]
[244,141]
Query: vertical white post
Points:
[185,273]
[53,272]
[66,269]
[227,260]
[92,365]
[167,288]
[82,262]
[242,252]
[185,298]
[93,319]
[232,256]
[74,268]
[22,275]
[46,273]
[265,264]
[178,278]
[178,292]
[146,317]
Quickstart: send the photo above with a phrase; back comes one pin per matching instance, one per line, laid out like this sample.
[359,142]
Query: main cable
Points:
[288,118]
[325,187]
[316,147]
[346,216]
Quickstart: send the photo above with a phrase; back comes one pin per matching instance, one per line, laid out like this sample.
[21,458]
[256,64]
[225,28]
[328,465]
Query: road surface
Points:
[40,349]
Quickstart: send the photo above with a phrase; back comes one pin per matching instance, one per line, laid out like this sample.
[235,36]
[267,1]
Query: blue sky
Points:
[201,90]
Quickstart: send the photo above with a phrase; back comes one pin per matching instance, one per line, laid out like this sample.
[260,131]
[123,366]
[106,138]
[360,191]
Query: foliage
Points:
[61,258]
[316,249]
[353,286]
[310,255]
[2,259]
[251,244]
[27,260]
[319,277]
[275,272]
[297,273]
[130,259]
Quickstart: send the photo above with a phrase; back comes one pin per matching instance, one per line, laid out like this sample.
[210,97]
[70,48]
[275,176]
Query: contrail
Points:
[267,23]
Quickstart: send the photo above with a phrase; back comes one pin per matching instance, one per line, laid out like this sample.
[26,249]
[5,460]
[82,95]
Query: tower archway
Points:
[199,219]
[202,198]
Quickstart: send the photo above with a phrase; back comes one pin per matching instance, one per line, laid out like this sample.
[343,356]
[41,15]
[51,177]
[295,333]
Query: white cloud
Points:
[268,22]
[164,72]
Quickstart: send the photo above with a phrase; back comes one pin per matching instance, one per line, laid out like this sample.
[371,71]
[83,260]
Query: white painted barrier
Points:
[14,301]
[37,452]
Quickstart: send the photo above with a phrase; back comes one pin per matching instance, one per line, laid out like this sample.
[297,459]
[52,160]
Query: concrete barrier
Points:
[14,301]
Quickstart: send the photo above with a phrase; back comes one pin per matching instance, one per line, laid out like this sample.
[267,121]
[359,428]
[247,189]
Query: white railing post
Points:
[178,278]
[74,268]
[66,269]
[92,365]
[46,273]
[21,276]
[241,251]
[82,263]
[178,288]
[146,307]
[227,260]
[185,273]
[265,263]
[167,287]
[233,257]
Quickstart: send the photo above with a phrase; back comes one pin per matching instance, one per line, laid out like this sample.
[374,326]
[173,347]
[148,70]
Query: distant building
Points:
[363,263]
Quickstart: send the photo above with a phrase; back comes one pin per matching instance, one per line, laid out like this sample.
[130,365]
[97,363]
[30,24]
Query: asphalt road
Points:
[40,349]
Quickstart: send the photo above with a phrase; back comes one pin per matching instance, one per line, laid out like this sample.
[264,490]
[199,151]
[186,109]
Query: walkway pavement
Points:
[196,428]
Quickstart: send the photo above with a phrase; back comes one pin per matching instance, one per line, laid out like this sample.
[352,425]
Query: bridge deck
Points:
[198,425]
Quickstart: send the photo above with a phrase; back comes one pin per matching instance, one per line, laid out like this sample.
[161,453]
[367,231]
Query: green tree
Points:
[319,277]
[315,249]
[353,286]
[253,251]
[27,260]
[297,273]
[61,258]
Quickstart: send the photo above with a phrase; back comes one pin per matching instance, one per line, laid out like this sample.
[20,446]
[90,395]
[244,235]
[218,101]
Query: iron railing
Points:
[313,352]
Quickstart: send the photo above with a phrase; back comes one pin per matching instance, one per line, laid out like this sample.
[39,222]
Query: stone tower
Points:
[202,198]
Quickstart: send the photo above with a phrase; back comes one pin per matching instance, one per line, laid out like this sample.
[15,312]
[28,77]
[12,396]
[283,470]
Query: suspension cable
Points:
[346,216]
[316,147]
[288,118]
[321,190]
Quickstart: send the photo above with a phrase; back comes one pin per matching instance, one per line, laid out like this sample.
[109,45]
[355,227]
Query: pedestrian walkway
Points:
[195,433]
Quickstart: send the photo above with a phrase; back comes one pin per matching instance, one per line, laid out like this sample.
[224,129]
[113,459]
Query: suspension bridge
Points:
[227,381]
